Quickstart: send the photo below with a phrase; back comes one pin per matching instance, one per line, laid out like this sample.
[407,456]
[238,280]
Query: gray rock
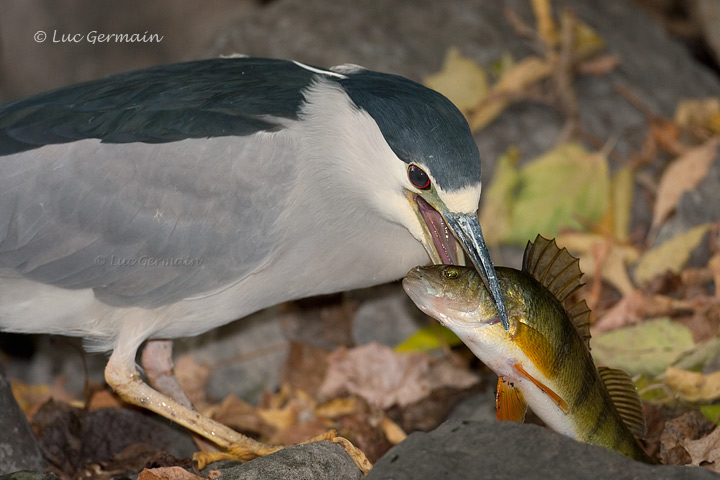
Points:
[386,315]
[314,461]
[19,449]
[503,450]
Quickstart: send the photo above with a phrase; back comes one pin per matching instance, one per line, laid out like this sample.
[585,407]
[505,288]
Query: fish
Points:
[543,361]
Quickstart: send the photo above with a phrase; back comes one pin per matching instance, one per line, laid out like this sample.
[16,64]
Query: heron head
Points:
[435,164]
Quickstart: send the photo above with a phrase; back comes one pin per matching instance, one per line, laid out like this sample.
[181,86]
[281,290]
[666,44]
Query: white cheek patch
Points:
[464,200]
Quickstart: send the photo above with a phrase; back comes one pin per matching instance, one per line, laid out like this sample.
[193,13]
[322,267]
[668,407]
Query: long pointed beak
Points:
[466,228]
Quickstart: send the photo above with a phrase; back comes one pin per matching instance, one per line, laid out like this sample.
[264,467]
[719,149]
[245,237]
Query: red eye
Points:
[418,177]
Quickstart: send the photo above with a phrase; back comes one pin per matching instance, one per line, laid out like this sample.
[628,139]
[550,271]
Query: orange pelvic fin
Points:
[547,390]
[509,402]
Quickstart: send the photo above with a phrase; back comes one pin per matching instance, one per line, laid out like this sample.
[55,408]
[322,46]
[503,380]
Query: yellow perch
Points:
[544,360]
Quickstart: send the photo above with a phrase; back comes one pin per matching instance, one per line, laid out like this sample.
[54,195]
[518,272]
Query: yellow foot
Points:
[244,453]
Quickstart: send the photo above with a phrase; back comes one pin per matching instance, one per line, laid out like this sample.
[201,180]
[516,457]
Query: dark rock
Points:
[117,439]
[504,450]
[19,448]
[313,461]
[28,475]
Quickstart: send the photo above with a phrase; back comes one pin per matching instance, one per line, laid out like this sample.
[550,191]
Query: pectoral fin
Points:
[509,402]
[547,390]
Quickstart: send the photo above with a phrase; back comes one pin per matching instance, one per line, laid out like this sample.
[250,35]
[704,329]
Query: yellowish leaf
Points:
[498,199]
[682,175]
[461,80]
[587,40]
[338,407]
[646,348]
[670,255]
[558,188]
[393,432]
[427,339]
[515,80]
[694,387]
[703,113]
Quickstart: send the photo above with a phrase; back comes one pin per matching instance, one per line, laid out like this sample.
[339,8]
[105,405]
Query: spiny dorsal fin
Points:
[580,316]
[558,271]
[626,399]
[555,269]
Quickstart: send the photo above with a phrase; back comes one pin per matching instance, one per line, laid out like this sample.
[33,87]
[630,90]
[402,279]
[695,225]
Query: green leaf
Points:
[711,412]
[646,348]
[432,337]
[567,187]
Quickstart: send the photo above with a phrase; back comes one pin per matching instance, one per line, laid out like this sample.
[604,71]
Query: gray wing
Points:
[149,186]
[143,224]
[207,98]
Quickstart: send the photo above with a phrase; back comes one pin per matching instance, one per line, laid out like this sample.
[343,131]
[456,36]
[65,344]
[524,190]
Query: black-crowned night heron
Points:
[168,201]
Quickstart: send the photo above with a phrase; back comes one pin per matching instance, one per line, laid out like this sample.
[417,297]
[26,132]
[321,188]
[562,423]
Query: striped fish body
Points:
[544,360]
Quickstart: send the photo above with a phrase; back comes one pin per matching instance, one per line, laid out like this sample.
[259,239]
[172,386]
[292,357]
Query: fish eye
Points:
[418,177]
[451,272]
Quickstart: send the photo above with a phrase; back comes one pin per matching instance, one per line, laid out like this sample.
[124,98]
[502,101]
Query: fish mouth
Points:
[431,295]
[439,242]
[443,230]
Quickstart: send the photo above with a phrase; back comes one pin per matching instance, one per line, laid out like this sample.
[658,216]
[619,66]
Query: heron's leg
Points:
[123,377]
[159,369]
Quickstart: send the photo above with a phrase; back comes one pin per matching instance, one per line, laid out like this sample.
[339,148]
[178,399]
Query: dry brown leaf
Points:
[706,449]
[167,473]
[682,175]
[237,413]
[614,269]
[103,399]
[694,387]
[445,374]
[300,432]
[193,379]
[305,366]
[637,306]
[628,311]
[377,374]
[599,66]
[689,426]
